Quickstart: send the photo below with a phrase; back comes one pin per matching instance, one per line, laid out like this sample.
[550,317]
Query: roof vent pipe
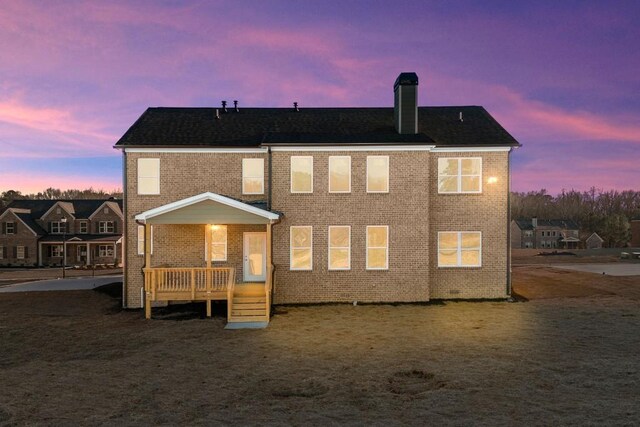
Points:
[217,114]
[224,106]
[235,105]
[460,116]
[295,106]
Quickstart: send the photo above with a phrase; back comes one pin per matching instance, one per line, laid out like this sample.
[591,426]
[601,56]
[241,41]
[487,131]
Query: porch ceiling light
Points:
[492,180]
[215,226]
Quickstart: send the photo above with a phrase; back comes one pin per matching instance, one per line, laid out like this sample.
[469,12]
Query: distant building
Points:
[41,232]
[635,232]
[594,241]
[537,233]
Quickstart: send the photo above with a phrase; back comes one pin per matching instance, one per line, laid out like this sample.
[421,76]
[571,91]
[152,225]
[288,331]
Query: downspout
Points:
[269,167]
[509,223]
[124,229]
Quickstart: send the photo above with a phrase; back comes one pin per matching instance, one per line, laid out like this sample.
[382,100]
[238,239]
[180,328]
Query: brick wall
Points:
[23,237]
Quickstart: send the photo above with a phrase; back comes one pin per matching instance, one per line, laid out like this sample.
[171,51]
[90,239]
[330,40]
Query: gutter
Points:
[124,231]
[270,169]
[509,224]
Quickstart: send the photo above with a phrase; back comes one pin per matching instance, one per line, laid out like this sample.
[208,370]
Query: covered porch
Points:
[236,265]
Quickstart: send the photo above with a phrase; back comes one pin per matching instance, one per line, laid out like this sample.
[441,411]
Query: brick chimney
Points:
[405,106]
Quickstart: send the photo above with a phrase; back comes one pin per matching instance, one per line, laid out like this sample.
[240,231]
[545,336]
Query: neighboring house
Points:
[312,205]
[544,234]
[32,232]
[635,232]
[594,241]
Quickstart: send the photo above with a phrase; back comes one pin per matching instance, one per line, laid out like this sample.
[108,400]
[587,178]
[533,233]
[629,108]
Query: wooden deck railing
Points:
[187,284]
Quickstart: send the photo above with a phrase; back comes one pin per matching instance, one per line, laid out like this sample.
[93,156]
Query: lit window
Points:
[339,247]
[106,227]
[252,176]
[56,251]
[141,240]
[83,227]
[339,174]
[148,176]
[218,242]
[20,251]
[10,228]
[377,174]
[460,175]
[301,239]
[377,247]
[105,251]
[302,174]
[459,249]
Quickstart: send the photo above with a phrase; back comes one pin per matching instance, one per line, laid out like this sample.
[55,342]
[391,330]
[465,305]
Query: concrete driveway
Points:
[71,284]
[617,269]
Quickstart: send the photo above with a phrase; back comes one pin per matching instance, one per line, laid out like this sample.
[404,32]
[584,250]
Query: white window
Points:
[56,251]
[10,227]
[148,176]
[105,227]
[459,249]
[83,227]
[301,174]
[141,240]
[301,246]
[460,175]
[377,247]
[339,247]
[377,174]
[339,174]
[1,252]
[218,242]
[105,251]
[20,252]
[252,176]
[57,227]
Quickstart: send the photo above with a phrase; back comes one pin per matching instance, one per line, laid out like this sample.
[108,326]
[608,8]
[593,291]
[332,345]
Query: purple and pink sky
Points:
[562,77]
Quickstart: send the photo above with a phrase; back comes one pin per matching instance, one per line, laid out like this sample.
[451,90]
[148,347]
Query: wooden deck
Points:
[246,302]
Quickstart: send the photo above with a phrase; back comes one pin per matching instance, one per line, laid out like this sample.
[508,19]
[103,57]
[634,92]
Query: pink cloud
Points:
[35,182]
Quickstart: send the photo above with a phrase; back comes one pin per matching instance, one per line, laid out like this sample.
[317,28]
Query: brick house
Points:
[544,234]
[37,232]
[311,205]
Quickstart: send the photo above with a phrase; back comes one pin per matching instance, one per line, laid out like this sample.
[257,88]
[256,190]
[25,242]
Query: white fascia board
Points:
[355,148]
[469,149]
[143,217]
[196,150]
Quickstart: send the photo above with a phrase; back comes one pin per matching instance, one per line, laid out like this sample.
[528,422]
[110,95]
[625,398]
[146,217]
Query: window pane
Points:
[140,240]
[301,237]
[301,174]
[448,167]
[471,167]
[147,185]
[219,234]
[252,185]
[377,173]
[448,241]
[339,173]
[377,258]
[377,236]
[447,184]
[301,259]
[447,257]
[470,240]
[253,168]
[338,258]
[471,258]
[470,183]
[339,237]
[148,176]
[218,252]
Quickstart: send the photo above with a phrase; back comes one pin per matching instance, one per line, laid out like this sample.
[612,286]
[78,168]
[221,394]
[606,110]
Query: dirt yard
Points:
[570,355]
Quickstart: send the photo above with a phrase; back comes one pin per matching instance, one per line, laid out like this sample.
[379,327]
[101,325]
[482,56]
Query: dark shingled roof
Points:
[252,127]
[83,208]
[569,224]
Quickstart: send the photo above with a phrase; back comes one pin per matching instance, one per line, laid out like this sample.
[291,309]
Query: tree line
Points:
[55,193]
[607,213]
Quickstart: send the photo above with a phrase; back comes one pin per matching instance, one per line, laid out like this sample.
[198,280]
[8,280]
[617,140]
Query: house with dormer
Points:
[61,232]
[256,206]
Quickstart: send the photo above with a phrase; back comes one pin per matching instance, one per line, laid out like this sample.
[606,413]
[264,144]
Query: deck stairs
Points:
[249,307]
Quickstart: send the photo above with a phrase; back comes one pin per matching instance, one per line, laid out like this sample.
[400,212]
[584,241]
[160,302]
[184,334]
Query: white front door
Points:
[255,257]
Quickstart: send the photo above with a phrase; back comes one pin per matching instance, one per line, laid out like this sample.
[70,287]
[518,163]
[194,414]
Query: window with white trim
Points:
[105,227]
[252,176]
[301,174]
[141,239]
[218,237]
[83,227]
[377,174]
[57,227]
[339,247]
[339,174]
[20,252]
[459,249]
[105,251]
[301,247]
[10,227]
[460,175]
[377,247]
[56,251]
[148,176]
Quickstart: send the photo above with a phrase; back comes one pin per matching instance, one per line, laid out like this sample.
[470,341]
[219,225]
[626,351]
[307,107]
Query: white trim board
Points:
[355,148]
[196,150]
[469,149]
[312,148]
